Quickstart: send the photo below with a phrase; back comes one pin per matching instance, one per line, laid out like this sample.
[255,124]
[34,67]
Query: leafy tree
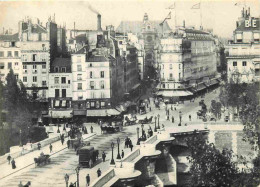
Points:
[209,166]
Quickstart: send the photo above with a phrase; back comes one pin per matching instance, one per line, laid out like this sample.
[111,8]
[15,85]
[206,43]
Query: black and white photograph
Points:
[130,93]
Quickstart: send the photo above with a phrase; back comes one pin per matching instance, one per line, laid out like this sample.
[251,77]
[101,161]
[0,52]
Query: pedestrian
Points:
[68,143]
[190,117]
[131,146]
[168,117]
[50,148]
[39,146]
[126,142]
[71,185]
[13,164]
[27,184]
[150,109]
[171,108]
[172,119]
[104,156]
[88,179]
[98,172]
[175,108]
[91,129]
[180,118]
[62,138]
[122,154]
[168,111]
[20,185]
[9,159]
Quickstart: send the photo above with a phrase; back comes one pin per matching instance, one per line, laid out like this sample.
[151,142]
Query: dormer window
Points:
[56,69]
[63,69]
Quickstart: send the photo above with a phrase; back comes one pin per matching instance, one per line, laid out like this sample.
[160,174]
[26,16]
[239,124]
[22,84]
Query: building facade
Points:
[10,56]
[60,89]
[243,60]
[187,62]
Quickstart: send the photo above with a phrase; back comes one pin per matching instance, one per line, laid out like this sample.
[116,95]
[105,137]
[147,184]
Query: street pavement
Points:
[65,161]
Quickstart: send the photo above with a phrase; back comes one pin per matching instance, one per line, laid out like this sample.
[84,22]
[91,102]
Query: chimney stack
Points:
[184,23]
[99,22]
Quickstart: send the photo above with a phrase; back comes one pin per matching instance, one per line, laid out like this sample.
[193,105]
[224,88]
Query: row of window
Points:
[94,96]
[34,57]
[9,65]
[244,63]
[61,103]
[35,66]
[170,66]
[9,54]
[25,79]
[60,69]
[171,75]
[92,104]
[63,80]
[63,93]
[92,85]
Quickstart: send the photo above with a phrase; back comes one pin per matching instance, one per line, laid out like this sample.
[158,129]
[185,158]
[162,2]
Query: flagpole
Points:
[200,15]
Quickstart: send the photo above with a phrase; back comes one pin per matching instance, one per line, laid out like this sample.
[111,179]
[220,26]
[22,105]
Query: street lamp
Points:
[67,177]
[118,154]
[51,116]
[155,129]
[180,115]
[21,138]
[112,160]
[137,130]
[142,130]
[77,172]
[158,121]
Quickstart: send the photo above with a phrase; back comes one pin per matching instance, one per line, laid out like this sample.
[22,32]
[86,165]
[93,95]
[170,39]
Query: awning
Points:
[214,81]
[135,86]
[121,108]
[93,113]
[60,113]
[113,112]
[79,112]
[174,93]
[201,86]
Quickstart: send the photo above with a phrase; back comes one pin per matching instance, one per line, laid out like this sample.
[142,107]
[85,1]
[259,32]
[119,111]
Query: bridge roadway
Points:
[66,160]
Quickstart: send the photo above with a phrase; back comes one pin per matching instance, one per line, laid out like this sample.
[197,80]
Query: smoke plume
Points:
[92,9]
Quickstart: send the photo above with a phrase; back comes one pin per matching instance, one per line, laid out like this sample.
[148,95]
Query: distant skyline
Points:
[219,15]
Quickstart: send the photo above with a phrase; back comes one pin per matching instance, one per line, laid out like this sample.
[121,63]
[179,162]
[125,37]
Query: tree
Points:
[209,166]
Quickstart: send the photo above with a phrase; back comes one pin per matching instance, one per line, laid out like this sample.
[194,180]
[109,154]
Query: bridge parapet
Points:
[104,179]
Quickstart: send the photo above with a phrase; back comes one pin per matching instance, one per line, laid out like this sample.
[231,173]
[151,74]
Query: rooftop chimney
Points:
[99,22]
[184,23]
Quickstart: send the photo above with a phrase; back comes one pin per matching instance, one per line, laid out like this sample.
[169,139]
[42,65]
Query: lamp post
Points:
[118,154]
[137,130]
[77,172]
[21,138]
[142,130]
[180,115]
[155,129]
[66,177]
[112,160]
[51,116]
[158,121]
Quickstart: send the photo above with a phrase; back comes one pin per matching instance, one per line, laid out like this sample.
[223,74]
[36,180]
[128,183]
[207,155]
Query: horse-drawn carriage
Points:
[130,120]
[111,127]
[146,120]
[42,160]
[87,156]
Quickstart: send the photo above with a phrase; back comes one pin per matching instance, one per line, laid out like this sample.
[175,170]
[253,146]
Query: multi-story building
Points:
[61,41]
[10,56]
[38,50]
[187,59]
[60,89]
[147,32]
[243,60]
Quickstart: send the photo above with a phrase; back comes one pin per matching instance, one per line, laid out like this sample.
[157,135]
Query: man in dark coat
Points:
[104,156]
[98,172]
[91,129]
[68,143]
[131,146]
[9,159]
[122,154]
[88,179]
[172,119]
[13,164]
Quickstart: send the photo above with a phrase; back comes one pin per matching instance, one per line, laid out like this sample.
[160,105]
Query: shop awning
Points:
[201,86]
[214,81]
[93,113]
[174,93]
[135,86]
[102,112]
[79,112]
[113,112]
[60,113]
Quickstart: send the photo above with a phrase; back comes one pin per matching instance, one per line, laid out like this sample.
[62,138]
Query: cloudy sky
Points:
[220,15]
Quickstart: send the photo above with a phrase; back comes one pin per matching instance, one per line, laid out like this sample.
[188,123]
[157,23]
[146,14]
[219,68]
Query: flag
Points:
[172,6]
[168,16]
[196,6]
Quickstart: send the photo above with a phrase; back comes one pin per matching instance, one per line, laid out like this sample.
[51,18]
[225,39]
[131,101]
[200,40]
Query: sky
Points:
[219,15]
